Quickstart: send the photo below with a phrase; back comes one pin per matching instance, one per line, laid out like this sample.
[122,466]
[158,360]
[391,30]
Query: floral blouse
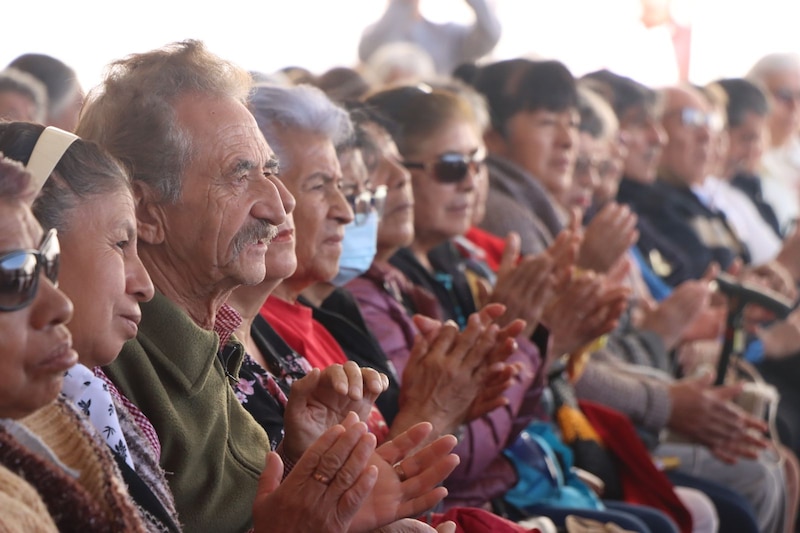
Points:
[263,391]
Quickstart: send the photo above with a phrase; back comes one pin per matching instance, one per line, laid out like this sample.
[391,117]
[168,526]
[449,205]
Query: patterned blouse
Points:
[263,392]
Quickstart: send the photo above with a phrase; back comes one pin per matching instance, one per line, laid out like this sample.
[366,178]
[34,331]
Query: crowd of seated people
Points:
[491,301]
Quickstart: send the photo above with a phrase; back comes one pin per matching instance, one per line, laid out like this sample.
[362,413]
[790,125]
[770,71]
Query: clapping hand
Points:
[448,369]
[326,488]
[408,483]
[707,414]
[607,238]
[323,398]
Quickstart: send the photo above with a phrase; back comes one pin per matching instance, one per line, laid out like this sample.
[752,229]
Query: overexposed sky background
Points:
[266,35]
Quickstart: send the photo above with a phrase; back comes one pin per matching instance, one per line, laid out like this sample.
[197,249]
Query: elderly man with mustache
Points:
[208,202]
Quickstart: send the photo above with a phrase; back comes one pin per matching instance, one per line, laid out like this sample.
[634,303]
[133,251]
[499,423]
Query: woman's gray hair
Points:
[302,107]
[84,171]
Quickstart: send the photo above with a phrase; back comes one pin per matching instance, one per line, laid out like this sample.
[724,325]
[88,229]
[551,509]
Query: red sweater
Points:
[295,324]
[491,244]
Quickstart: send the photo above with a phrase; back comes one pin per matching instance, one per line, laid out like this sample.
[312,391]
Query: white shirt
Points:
[743,217]
[780,181]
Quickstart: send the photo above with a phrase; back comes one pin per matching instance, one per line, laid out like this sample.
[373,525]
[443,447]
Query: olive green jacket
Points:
[213,451]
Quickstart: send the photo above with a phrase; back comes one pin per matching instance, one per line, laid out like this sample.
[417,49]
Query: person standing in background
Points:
[449,44]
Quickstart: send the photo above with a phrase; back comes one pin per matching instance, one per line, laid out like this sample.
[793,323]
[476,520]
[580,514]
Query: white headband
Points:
[49,149]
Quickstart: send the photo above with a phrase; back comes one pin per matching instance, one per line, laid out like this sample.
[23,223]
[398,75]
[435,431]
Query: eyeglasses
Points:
[451,167]
[584,165]
[787,96]
[696,118]
[364,202]
[20,271]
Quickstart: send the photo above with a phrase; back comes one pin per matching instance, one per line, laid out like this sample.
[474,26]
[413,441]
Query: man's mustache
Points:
[260,230]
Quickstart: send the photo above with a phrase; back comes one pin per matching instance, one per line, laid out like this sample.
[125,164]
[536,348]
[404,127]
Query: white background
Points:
[265,35]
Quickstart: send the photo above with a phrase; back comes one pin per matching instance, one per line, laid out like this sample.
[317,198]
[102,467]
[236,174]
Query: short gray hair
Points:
[302,107]
[132,113]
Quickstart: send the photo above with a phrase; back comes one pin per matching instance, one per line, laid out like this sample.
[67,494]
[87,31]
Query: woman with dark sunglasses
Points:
[86,197]
[426,127]
[381,293]
[107,496]
[43,442]
[297,121]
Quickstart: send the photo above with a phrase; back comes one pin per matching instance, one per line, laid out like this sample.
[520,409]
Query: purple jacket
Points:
[484,473]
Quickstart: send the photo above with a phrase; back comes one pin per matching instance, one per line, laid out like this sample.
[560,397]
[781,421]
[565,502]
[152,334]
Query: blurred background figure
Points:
[661,32]
[779,76]
[658,17]
[22,97]
[732,147]
[64,92]
[448,44]
[399,63]
[343,84]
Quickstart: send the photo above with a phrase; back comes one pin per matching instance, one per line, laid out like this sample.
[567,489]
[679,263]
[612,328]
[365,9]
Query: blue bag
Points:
[544,468]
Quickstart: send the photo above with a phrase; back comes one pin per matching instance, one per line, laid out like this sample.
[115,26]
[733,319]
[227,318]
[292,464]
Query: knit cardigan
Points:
[22,508]
[97,500]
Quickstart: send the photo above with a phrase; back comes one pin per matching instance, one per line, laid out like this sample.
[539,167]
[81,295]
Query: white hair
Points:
[773,63]
[304,107]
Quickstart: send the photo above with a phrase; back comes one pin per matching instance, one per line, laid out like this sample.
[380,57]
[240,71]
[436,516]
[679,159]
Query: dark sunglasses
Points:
[20,271]
[450,167]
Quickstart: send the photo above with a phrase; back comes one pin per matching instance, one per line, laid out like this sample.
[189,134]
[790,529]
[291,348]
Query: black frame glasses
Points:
[20,271]
[451,167]
[364,202]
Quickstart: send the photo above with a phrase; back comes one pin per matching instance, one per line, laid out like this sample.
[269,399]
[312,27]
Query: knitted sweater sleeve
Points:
[484,473]
[23,509]
[644,399]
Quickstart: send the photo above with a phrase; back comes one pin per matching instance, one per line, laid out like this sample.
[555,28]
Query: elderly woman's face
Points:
[544,144]
[355,178]
[444,210]
[103,276]
[585,177]
[396,227]
[35,344]
[311,172]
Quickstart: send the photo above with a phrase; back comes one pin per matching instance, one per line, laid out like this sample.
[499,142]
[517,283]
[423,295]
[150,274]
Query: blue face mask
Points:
[358,249]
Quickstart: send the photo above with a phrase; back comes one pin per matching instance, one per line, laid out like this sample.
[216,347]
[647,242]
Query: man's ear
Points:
[149,214]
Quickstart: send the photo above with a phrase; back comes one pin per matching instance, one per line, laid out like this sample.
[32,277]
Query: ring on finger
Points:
[322,478]
[400,472]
